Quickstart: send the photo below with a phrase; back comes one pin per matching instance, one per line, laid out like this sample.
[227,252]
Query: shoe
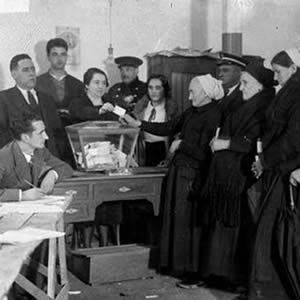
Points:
[190,284]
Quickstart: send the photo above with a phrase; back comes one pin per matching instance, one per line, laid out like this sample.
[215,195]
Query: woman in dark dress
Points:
[281,145]
[92,105]
[179,245]
[225,213]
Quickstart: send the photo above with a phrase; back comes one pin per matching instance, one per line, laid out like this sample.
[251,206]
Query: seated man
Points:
[27,169]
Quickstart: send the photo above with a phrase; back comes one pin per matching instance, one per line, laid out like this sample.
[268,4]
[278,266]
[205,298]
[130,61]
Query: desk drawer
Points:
[134,189]
[82,191]
[81,213]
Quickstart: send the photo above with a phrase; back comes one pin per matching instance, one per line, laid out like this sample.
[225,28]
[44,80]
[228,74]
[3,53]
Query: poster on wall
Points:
[72,36]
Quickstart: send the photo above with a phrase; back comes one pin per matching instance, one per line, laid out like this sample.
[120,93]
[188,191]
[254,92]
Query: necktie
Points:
[32,100]
[152,115]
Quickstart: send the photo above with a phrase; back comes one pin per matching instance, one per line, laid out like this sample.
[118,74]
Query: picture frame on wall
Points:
[72,36]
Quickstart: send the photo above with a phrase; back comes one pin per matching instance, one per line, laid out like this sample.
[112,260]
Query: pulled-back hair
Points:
[164,83]
[88,75]
[23,125]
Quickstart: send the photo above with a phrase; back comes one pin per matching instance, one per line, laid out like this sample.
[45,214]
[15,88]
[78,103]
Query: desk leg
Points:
[62,255]
[51,268]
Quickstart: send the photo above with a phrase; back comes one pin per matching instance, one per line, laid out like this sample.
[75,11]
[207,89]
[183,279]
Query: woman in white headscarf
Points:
[280,147]
[179,247]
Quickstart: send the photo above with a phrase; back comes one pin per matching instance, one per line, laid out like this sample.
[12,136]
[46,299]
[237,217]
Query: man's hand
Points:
[48,182]
[295,177]
[32,194]
[130,121]
[257,168]
[217,144]
[175,145]
[106,107]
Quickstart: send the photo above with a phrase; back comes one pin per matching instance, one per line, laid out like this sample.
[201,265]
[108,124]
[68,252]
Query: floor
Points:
[154,287]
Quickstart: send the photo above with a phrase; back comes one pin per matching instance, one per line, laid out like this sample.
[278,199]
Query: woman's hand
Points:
[175,145]
[106,107]
[130,121]
[257,168]
[217,144]
[295,177]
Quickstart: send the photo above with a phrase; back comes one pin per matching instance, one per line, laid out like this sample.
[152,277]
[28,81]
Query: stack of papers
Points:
[47,204]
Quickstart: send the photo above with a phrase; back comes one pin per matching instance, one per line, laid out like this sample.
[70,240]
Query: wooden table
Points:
[13,257]
[95,188]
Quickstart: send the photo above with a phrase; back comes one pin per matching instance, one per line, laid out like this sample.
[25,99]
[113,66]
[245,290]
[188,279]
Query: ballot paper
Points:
[47,204]
[28,234]
[120,111]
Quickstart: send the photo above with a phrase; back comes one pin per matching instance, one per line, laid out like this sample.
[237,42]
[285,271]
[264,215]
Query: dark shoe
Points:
[190,284]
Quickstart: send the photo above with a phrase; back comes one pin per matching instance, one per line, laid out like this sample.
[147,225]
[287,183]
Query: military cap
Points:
[231,59]
[128,61]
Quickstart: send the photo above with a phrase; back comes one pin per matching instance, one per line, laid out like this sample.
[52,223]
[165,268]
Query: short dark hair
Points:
[88,75]
[282,59]
[164,83]
[56,42]
[15,60]
[23,125]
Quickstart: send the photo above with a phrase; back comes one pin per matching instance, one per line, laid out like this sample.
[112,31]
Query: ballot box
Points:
[102,145]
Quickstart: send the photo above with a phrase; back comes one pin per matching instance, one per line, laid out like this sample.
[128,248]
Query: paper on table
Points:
[120,111]
[28,234]
[47,204]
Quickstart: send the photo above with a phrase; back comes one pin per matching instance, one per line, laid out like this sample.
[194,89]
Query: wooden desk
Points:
[95,188]
[13,257]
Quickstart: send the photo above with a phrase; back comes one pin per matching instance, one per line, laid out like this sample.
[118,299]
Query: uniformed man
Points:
[131,89]
[230,69]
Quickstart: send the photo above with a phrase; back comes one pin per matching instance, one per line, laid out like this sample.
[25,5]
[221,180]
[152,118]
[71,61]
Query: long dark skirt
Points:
[225,252]
[180,237]
[267,280]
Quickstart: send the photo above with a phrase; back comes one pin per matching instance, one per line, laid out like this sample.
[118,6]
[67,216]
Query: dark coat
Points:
[281,144]
[14,169]
[116,94]
[13,104]
[224,207]
[179,251]
[83,109]
[74,88]
[231,103]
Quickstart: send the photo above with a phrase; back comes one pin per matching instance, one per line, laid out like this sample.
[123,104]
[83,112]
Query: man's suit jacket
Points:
[14,170]
[13,104]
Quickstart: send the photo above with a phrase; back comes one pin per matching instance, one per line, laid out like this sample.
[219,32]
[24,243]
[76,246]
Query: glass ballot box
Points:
[102,145]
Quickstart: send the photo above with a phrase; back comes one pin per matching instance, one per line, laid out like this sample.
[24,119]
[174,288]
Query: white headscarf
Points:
[294,54]
[212,87]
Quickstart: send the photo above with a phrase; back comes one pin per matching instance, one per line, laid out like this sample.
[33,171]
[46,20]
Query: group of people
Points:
[235,153]
[231,157]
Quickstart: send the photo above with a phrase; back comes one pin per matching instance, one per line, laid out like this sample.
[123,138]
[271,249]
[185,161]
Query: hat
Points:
[231,59]
[128,61]
[261,74]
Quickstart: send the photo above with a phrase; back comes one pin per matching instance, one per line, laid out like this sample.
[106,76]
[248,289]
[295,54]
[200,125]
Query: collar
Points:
[58,78]
[24,92]
[160,106]
[230,90]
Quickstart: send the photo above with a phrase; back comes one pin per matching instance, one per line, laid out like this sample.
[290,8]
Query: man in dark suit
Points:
[230,69]
[24,98]
[57,83]
[131,89]
[27,169]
